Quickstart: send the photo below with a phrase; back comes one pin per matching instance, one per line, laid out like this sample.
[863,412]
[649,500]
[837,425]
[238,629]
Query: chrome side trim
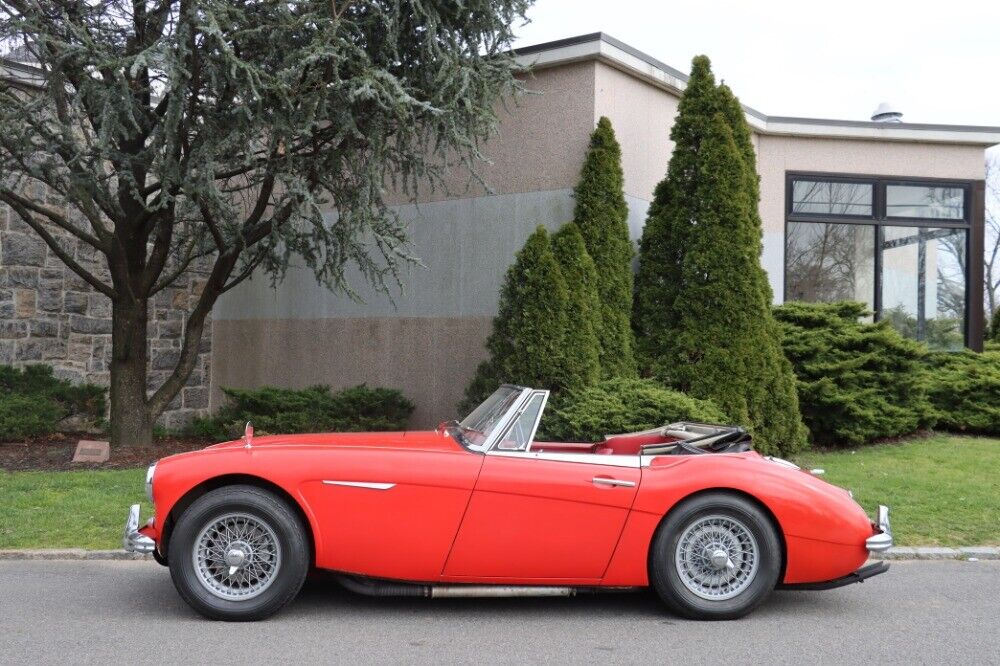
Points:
[585,458]
[881,542]
[132,540]
[371,485]
[478,591]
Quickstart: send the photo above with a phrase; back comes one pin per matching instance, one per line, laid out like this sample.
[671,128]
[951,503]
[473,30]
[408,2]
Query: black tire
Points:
[264,507]
[667,579]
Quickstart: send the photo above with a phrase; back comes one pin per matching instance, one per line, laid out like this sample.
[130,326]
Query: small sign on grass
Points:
[92,451]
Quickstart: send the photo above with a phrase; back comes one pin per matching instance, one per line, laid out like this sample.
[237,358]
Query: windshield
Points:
[477,426]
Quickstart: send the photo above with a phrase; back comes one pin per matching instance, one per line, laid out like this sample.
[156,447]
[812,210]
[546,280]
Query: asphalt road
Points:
[127,612]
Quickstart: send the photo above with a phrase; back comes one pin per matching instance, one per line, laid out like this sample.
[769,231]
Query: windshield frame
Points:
[500,425]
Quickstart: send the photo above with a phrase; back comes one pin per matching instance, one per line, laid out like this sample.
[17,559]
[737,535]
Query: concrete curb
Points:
[938,553]
[70,554]
[897,553]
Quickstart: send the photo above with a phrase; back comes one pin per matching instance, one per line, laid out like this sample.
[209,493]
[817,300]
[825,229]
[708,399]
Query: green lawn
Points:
[84,509]
[943,490]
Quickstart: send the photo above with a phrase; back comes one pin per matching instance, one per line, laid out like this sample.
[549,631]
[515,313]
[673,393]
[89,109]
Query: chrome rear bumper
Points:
[134,541]
[881,542]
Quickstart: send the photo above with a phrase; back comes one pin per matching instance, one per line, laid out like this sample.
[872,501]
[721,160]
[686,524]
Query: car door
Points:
[543,516]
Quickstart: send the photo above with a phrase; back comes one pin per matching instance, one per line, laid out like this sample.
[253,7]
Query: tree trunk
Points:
[131,420]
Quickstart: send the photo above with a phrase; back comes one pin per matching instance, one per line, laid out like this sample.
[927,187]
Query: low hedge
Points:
[620,405]
[275,410]
[965,390]
[33,402]
[857,381]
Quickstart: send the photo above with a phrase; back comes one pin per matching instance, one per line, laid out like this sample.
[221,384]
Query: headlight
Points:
[149,481]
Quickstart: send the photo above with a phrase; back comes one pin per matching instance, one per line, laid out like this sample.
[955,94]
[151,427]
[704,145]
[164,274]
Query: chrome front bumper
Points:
[133,541]
[881,542]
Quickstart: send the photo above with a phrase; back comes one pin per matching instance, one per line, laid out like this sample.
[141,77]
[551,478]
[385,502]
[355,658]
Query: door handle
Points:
[608,481]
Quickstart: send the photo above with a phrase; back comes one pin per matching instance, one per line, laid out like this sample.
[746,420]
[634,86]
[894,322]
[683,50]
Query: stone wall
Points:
[49,315]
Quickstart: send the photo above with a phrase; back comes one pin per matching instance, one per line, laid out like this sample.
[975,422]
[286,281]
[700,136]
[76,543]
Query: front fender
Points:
[178,476]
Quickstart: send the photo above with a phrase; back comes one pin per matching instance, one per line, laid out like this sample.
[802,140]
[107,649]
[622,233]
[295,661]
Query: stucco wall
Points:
[778,154]
[642,116]
[541,139]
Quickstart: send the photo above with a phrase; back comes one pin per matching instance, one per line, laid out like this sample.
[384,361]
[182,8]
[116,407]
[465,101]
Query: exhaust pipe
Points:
[382,588]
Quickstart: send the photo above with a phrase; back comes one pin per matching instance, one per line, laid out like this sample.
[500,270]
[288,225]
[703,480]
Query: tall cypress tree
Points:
[664,237]
[601,215]
[526,345]
[581,340]
[703,299]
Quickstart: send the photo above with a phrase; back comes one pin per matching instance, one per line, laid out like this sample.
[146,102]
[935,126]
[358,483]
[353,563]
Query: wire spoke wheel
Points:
[236,556]
[717,557]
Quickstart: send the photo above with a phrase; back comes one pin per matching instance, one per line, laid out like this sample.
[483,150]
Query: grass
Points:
[80,509]
[942,490]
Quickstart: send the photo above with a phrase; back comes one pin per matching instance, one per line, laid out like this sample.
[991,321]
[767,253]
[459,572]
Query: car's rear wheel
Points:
[238,553]
[716,557]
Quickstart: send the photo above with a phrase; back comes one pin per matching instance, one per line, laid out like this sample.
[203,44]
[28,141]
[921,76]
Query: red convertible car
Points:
[479,508]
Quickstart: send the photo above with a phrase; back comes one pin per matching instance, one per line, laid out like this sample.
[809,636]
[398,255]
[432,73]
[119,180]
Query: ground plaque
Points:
[92,452]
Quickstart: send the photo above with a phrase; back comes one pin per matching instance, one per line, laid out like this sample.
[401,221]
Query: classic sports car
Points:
[478,508]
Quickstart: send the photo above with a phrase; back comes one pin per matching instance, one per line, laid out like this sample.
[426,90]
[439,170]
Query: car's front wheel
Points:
[238,553]
[715,557]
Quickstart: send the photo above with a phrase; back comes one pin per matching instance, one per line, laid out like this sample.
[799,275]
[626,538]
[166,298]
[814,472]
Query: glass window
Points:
[925,201]
[478,425]
[923,283]
[824,197]
[519,435]
[830,262]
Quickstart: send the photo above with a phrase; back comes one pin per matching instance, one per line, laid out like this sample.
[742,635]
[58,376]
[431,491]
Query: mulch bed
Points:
[55,453]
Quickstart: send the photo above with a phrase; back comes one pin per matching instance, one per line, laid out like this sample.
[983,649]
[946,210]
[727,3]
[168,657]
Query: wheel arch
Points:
[216,482]
[765,509]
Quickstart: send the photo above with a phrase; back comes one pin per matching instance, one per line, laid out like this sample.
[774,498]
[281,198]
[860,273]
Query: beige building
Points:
[885,212]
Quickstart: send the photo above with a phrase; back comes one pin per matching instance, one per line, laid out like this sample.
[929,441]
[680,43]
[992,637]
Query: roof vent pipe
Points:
[887,113]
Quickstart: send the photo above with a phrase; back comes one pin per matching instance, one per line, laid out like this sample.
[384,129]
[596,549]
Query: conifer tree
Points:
[601,215]
[703,300]
[526,345]
[664,237]
[581,340]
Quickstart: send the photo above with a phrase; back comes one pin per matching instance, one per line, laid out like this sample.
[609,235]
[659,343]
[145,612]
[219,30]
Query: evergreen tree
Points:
[703,301]
[213,135]
[601,215]
[581,341]
[664,237]
[526,345]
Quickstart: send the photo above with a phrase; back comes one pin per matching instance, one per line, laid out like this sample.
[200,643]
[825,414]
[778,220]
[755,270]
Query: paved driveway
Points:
[124,612]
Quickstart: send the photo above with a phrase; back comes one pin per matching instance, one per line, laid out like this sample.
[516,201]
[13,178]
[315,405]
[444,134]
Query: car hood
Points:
[417,440]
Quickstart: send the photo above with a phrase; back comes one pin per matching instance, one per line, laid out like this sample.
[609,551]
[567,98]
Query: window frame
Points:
[879,220]
[820,178]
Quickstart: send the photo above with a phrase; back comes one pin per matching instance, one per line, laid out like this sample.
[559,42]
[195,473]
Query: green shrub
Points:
[601,215]
[26,416]
[857,382]
[965,390]
[620,405]
[526,344]
[33,402]
[275,410]
[993,334]
[703,300]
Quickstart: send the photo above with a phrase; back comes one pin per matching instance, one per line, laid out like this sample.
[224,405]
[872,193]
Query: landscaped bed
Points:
[943,490]
[55,452]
